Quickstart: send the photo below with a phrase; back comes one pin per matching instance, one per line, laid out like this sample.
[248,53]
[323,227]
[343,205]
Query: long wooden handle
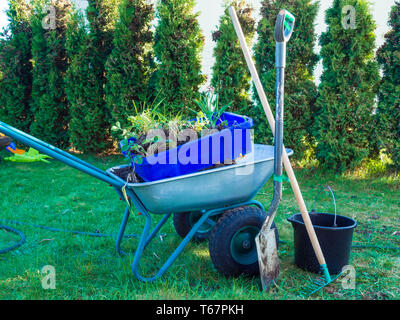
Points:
[271,121]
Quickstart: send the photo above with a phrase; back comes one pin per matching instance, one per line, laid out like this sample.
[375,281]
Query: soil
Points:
[160,147]
[127,174]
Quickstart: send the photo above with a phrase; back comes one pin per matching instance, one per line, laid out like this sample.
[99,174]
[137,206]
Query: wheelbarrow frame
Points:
[147,234]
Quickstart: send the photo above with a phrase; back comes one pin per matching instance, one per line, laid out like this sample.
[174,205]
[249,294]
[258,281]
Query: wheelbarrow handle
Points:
[58,154]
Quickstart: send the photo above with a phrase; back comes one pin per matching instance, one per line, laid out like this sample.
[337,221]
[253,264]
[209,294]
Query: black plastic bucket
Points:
[335,242]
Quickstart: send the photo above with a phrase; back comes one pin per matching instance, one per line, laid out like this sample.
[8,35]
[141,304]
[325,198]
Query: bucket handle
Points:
[327,188]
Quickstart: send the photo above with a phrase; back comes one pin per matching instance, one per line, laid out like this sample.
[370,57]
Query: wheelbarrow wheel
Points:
[232,244]
[183,223]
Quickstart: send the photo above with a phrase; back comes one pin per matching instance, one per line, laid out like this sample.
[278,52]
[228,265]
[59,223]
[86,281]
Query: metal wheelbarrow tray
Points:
[215,188]
[212,192]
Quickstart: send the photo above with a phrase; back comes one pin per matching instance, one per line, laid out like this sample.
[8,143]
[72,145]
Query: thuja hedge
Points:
[68,85]
[16,67]
[178,44]
[231,77]
[344,108]
[131,63]
[49,100]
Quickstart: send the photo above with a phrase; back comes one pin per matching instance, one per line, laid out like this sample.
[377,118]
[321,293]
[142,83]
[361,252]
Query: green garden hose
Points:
[17,244]
[23,238]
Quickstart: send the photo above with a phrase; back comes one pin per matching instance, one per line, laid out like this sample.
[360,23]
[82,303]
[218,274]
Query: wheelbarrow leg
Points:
[157,228]
[124,222]
[147,237]
[122,231]
[172,257]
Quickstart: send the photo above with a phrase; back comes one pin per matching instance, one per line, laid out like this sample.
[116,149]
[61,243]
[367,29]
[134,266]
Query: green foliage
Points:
[388,111]
[375,167]
[144,127]
[131,62]
[177,45]
[300,90]
[90,119]
[231,77]
[348,88]
[16,67]
[210,108]
[139,124]
[49,55]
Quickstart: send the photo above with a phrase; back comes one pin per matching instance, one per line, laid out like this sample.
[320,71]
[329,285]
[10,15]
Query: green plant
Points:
[138,124]
[139,136]
[136,138]
[376,167]
[348,88]
[201,122]
[210,108]
[135,150]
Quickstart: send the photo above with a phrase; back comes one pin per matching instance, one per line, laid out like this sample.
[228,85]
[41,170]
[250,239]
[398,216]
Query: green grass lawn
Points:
[89,268]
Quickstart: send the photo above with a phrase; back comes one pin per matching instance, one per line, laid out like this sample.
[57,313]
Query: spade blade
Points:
[267,258]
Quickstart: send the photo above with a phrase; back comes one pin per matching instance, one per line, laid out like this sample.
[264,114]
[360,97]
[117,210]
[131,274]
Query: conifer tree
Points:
[231,77]
[16,67]
[348,86]
[49,101]
[178,45]
[300,90]
[89,127]
[131,62]
[388,111]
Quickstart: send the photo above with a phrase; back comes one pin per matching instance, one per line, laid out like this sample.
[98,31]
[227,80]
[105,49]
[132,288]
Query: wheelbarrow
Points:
[217,204]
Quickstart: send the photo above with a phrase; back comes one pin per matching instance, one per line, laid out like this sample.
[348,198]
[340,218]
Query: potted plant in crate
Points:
[159,149]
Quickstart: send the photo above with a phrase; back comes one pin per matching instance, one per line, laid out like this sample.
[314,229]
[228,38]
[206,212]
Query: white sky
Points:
[211,10]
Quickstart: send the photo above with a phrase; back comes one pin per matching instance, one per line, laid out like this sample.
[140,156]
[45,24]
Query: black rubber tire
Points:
[221,236]
[183,225]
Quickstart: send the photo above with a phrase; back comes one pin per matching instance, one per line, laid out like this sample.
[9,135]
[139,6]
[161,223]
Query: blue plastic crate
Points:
[225,145]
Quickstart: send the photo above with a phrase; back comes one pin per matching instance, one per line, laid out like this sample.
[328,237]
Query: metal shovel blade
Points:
[267,258]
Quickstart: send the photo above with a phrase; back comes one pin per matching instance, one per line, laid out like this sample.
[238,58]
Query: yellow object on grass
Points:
[31,156]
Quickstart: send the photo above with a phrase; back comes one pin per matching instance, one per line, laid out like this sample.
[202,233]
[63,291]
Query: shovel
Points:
[288,167]
[265,240]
